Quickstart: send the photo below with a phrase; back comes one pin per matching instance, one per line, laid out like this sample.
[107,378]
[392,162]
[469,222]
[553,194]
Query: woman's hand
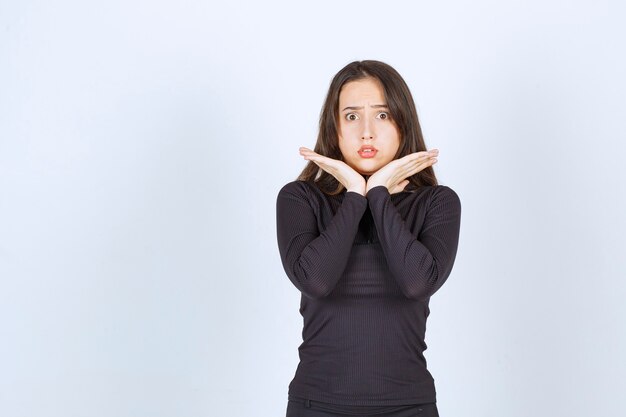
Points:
[394,175]
[345,174]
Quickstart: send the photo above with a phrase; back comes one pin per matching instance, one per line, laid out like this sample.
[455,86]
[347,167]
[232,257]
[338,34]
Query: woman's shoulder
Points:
[443,189]
[444,195]
[296,187]
[433,194]
[439,188]
[303,190]
[311,193]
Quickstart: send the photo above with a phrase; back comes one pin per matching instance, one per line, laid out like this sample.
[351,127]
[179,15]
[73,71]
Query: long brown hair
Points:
[401,108]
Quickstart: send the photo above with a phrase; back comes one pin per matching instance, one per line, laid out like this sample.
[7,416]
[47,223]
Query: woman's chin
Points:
[366,169]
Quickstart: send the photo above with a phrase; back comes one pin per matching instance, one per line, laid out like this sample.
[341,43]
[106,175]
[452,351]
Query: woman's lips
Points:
[367,153]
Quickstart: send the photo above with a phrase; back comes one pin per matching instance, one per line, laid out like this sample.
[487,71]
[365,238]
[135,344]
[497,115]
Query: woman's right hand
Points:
[344,173]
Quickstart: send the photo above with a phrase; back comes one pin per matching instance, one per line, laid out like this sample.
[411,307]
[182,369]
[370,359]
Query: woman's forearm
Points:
[420,261]
[314,261]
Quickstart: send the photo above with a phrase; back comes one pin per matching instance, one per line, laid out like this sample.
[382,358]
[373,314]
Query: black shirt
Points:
[366,267]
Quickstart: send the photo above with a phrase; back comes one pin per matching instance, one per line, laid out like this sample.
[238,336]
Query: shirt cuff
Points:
[356,197]
[375,193]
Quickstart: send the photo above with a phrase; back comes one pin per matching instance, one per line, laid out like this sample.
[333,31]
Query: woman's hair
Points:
[401,108]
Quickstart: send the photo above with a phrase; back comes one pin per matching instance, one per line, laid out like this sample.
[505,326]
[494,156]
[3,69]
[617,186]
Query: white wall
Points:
[142,145]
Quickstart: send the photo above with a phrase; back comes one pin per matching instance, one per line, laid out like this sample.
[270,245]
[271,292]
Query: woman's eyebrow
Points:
[374,106]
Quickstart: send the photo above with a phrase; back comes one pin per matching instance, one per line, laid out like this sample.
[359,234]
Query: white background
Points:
[142,146]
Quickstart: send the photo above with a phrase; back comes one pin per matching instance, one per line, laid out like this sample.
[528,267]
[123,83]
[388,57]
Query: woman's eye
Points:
[351,116]
[383,115]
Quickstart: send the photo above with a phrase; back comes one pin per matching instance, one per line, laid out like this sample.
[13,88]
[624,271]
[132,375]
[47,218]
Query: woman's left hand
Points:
[394,175]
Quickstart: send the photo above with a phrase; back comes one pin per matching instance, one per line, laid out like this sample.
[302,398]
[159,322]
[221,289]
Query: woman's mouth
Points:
[367,152]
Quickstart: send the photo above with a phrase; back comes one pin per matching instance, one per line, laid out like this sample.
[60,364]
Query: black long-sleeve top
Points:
[366,267]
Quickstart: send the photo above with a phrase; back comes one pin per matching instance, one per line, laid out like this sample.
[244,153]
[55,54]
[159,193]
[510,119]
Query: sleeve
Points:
[420,264]
[313,260]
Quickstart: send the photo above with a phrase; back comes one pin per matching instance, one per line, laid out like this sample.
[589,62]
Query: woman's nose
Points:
[368,132]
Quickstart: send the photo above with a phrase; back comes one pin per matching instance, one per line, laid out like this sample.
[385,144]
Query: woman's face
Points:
[365,122]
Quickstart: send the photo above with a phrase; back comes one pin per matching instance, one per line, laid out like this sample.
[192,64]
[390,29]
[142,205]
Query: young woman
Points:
[367,236]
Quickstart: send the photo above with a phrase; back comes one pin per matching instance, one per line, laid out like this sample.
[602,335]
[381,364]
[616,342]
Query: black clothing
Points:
[366,267]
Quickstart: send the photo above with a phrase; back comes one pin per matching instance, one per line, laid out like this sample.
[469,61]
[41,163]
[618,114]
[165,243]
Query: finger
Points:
[421,165]
[327,164]
[413,158]
[423,154]
[309,154]
[306,151]
[420,154]
[320,158]
[412,167]
[313,154]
